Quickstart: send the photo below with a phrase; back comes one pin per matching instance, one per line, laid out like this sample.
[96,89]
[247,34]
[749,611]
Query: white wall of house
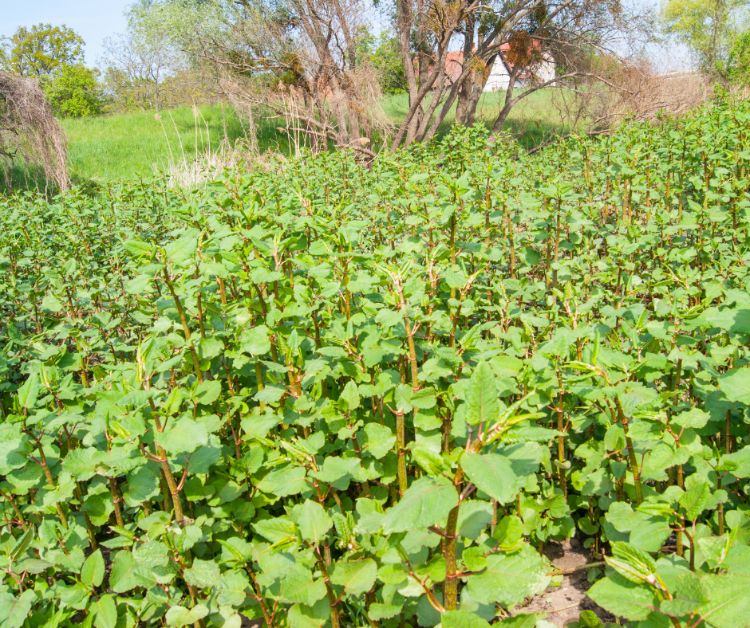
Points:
[499,78]
[546,70]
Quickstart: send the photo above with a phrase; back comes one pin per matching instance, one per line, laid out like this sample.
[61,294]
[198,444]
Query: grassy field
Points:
[138,145]
[533,121]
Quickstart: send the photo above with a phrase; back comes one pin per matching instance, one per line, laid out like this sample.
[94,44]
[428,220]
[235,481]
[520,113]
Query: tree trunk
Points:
[470,93]
[462,106]
[507,105]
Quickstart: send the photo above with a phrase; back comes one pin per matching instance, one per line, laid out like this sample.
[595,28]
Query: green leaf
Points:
[349,397]
[589,619]
[181,616]
[207,392]
[256,341]
[138,248]
[728,604]
[283,482]
[203,574]
[339,471]
[481,396]
[22,544]
[696,498]
[183,436]
[632,563]
[510,578]
[689,595]
[83,463]
[695,418]
[14,448]
[312,520]
[269,394]
[232,588]
[431,462]
[142,484]
[623,598]
[28,392]
[356,576]
[316,616]
[492,474]
[51,303]
[737,463]
[210,347]
[462,619]
[14,609]
[183,248]
[379,440]
[509,533]
[92,571]
[736,385]
[122,577]
[645,531]
[525,620]
[105,612]
[298,586]
[427,502]
[559,344]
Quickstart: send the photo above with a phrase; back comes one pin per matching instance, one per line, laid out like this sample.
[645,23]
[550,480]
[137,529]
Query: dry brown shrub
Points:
[643,95]
[629,91]
[29,132]
[315,114]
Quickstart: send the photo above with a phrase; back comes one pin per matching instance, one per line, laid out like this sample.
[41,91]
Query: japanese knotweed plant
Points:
[332,395]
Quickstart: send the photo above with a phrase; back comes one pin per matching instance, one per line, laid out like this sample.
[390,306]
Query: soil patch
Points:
[563,605]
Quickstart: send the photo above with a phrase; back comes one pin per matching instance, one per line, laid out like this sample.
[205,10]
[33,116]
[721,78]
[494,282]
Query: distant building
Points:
[539,67]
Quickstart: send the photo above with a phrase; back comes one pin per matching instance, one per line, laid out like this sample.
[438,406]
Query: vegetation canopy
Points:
[320,394]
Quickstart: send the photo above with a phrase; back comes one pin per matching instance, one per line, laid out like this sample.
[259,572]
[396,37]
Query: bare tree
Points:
[525,32]
[297,60]
[140,60]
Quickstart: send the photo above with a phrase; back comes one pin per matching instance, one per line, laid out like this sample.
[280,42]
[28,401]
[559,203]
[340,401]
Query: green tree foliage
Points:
[74,92]
[54,56]
[148,66]
[739,60]
[382,53]
[41,50]
[708,27]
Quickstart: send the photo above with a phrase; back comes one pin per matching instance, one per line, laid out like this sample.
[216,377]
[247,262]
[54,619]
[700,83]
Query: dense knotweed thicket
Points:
[331,395]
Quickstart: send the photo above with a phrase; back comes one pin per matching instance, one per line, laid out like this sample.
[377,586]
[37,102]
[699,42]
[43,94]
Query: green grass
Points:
[138,145]
[533,121]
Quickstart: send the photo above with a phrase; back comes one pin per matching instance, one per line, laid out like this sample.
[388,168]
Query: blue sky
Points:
[94,20]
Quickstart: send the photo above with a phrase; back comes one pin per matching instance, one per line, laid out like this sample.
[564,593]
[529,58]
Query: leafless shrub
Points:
[29,132]
[314,114]
[632,91]
[671,93]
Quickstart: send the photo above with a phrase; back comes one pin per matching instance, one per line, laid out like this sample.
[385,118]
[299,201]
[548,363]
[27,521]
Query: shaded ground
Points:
[563,604]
